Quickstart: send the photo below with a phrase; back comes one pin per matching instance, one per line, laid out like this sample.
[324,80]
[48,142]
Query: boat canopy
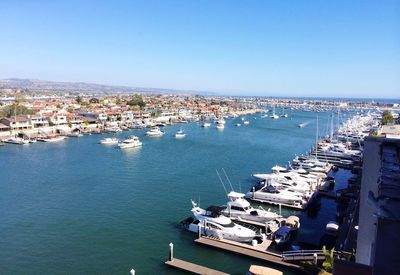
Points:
[235,195]
[293,221]
[278,168]
[214,211]
[262,270]
[283,231]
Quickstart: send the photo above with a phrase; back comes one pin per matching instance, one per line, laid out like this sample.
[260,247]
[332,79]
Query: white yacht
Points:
[220,126]
[17,140]
[300,188]
[206,125]
[274,116]
[109,141]
[52,138]
[238,208]
[270,194]
[113,129]
[246,122]
[217,225]
[75,134]
[155,132]
[180,134]
[130,142]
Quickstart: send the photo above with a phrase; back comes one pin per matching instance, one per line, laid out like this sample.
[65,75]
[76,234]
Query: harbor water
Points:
[80,207]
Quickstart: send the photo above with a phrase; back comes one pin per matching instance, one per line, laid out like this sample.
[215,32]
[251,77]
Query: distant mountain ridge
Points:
[57,86]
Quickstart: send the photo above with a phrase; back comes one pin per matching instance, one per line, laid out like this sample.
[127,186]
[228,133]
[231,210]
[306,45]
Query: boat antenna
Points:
[223,185]
[230,183]
[240,187]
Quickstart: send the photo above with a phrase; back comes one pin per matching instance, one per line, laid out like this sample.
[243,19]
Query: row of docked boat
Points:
[296,185]
[25,140]
[291,187]
[239,221]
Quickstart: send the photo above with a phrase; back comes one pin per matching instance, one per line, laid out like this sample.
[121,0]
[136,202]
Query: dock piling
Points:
[171,251]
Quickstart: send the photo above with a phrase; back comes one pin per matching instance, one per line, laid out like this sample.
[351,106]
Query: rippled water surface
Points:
[80,207]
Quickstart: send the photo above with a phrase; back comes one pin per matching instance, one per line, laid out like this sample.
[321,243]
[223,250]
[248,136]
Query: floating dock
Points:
[257,252]
[193,268]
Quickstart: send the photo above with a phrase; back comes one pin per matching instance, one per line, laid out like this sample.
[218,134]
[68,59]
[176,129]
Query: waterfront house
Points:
[18,123]
[4,128]
[38,121]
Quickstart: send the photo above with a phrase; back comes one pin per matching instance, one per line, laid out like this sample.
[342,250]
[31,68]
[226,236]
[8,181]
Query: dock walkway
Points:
[193,268]
[247,250]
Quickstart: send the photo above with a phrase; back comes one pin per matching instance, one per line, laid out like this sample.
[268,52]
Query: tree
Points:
[78,99]
[329,257]
[94,100]
[15,109]
[387,118]
[137,100]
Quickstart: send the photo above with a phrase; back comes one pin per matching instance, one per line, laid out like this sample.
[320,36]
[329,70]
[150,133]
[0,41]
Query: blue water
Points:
[81,207]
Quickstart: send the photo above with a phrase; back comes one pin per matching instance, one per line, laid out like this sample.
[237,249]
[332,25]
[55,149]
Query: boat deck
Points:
[282,204]
[193,268]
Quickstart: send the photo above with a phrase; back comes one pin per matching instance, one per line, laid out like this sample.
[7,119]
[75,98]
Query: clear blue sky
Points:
[273,48]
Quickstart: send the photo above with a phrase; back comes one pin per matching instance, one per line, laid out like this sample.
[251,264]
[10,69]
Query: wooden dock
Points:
[193,268]
[247,250]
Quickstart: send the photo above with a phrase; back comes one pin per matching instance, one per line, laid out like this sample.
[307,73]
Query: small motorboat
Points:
[17,140]
[180,134]
[206,125]
[155,132]
[75,134]
[109,141]
[282,235]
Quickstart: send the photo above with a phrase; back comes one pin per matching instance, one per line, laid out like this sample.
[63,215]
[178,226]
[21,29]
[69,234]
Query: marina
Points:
[257,137]
[135,172]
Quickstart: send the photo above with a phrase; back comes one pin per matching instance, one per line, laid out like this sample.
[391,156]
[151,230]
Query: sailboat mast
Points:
[331,130]
[316,141]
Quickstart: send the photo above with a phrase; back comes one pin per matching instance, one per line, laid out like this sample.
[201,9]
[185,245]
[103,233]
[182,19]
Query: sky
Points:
[264,48]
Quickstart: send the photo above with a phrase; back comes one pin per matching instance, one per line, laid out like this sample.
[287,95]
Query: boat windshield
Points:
[231,224]
[270,189]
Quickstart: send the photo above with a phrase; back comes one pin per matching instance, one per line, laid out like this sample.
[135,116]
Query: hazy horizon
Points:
[287,48]
[215,93]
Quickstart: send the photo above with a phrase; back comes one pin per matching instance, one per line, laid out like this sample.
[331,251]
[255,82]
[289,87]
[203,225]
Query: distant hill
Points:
[55,86]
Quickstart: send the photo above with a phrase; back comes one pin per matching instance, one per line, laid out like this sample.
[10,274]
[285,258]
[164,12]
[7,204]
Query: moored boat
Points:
[214,224]
[130,142]
[155,132]
[109,141]
[180,134]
